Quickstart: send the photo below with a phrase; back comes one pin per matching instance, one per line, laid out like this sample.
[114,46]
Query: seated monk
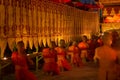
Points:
[75,58]
[83,46]
[61,55]
[50,60]
[20,60]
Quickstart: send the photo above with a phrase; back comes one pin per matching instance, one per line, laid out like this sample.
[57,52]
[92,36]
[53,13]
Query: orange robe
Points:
[50,58]
[107,60]
[62,61]
[21,67]
[84,51]
[75,58]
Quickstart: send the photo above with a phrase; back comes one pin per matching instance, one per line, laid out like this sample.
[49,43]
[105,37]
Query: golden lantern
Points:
[3,44]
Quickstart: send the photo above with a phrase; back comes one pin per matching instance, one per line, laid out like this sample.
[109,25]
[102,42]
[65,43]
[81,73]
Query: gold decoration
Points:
[105,13]
[30,40]
[112,12]
[11,43]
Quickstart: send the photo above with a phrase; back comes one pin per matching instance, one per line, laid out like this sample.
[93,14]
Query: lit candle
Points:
[5,58]
[28,54]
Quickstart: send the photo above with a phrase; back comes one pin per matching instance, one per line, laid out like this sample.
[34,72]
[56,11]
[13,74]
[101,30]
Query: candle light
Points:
[5,58]
[28,54]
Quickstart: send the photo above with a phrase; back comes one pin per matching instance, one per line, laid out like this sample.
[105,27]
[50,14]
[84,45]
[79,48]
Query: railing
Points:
[38,57]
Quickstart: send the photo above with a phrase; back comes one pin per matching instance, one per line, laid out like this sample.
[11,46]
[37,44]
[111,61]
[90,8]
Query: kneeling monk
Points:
[20,60]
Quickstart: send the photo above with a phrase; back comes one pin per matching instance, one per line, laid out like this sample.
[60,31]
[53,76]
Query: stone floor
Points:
[88,72]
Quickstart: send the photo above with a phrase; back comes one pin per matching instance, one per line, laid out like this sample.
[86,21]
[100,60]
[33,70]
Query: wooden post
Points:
[38,58]
[36,63]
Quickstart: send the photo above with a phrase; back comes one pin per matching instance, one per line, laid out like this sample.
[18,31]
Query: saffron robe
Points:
[50,58]
[21,67]
[62,61]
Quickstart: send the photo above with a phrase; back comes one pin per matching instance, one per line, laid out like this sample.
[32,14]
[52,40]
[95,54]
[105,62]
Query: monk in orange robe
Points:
[107,58]
[75,58]
[20,60]
[50,60]
[83,46]
[61,55]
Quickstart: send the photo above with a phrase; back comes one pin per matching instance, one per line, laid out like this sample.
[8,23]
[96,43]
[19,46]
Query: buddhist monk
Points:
[74,52]
[50,60]
[61,55]
[107,58]
[84,49]
[20,61]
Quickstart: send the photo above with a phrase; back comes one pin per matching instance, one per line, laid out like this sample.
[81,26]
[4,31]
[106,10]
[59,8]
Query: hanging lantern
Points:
[25,41]
[40,40]
[3,44]
[30,40]
[35,41]
[56,40]
[11,43]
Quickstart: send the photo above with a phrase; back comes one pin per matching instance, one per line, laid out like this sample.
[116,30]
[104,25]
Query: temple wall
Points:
[37,21]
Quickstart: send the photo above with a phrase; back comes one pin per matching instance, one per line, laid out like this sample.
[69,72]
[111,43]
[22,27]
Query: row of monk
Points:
[59,58]
[56,58]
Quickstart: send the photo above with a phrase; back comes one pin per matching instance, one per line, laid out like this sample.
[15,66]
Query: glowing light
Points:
[28,54]
[5,58]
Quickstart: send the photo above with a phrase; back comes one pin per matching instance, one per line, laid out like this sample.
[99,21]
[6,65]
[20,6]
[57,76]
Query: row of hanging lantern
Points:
[40,21]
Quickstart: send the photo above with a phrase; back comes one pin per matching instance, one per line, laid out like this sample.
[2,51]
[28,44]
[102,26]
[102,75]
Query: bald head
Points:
[20,46]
